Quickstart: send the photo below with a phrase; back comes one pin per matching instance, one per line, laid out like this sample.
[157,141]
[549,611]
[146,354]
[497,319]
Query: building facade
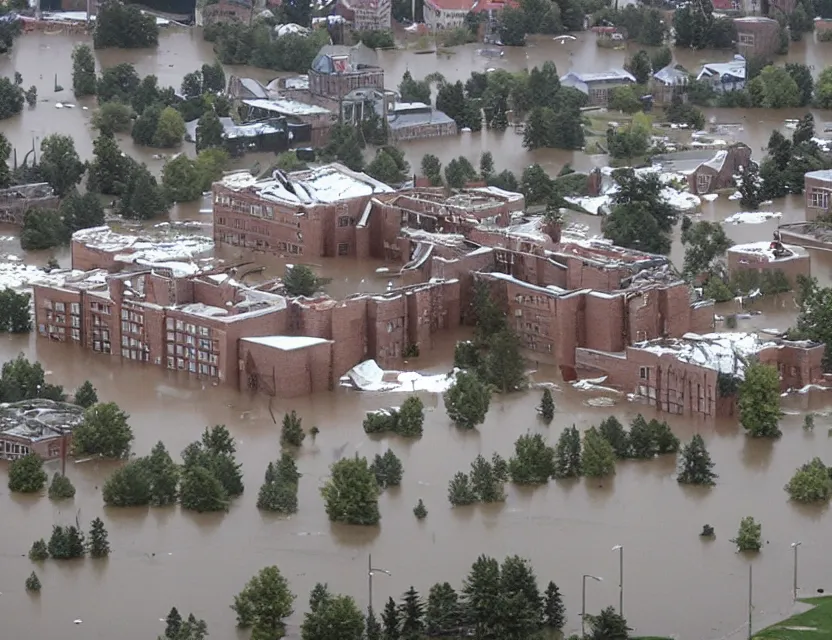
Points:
[757,36]
[446,14]
[366,15]
[817,185]
[597,86]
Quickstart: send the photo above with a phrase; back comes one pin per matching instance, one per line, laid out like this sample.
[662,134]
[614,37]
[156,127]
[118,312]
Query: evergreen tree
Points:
[33,583]
[26,474]
[750,187]
[142,198]
[335,618]
[503,365]
[443,614]
[291,432]
[164,476]
[489,319]
[390,621]
[759,401]
[59,163]
[351,493]
[420,511]
[554,611]
[173,623]
[128,486]
[642,445]
[547,406]
[518,589]
[410,418]
[74,542]
[99,545]
[104,432]
[387,469]
[481,596]
[460,491]
[432,169]
[695,466]
[39,551]
[280,489]
[85,395]
[411,616]
[663,438]
[58,543]
[61,488]
[202,491]
[608,625]
[533,462]
[320,593]
[597,456]
[467,400]
[568,454]
[372,628]
[487,485]
[613,432]
[109,171]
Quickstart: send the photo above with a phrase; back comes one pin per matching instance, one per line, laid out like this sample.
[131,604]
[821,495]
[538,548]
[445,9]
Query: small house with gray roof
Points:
[724,76]
[598,85]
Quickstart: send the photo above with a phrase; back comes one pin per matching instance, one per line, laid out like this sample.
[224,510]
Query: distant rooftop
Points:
[284,106]
[600,76]
[686,162]
[820,174]
[339,59]
[286,343]
[735,68]
[39,419]
[327,184]
[762,251]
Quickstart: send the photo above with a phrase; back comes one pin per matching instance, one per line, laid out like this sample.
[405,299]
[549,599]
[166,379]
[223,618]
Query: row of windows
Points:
[193,367]
[132,342]
[192,354]
[132,316]
[187,327]
[102,346]
[60,307]
[100,307]
[130,327]
[203,343]
[135,354]
[240,241]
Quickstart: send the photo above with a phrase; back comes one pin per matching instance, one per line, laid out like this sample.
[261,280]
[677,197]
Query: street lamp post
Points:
[750,601]
[370,571]
[583,600]
[795,545]
[620,549]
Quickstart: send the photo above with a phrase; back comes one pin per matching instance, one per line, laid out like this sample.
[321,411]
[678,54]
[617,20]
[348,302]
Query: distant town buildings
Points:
[706,170]
[446,14]
[724,76]
[817,185]
[43,427]
[366,15]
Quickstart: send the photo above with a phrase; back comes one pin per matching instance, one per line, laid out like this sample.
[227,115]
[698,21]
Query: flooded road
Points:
[675,584]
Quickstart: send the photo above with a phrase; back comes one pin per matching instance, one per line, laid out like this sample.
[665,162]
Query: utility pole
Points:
[63,453]
[750,601]
[795,545]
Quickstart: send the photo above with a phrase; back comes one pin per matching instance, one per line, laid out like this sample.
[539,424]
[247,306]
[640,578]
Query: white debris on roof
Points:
[368,376]
[751,217]
[763,250]
[14,275]
[722,352]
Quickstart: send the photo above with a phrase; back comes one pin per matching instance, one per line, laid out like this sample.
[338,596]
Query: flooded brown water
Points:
[675,584]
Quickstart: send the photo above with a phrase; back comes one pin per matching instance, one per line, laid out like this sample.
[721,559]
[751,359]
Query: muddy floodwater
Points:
[674,583]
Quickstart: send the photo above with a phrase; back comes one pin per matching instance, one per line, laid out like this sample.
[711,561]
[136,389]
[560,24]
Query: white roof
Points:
[286,343]
[735,68]
[284,106]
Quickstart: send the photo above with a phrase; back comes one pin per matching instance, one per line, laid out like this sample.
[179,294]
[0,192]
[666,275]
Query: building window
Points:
[343,249]
[60,307]
[75,308]
[169,324]
[343,221]
[819,198]
[644,373]
[746,39]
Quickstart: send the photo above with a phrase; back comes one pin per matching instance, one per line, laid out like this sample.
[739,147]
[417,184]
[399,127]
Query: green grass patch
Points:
[818,619]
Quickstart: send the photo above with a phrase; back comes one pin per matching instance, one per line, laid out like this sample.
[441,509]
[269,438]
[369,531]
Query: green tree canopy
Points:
[104,432]
[264,603]
[351,493]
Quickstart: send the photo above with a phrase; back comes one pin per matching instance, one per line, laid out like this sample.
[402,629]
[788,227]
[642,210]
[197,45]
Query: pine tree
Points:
[482,597]
[292,432]
[390,621]
[614,433]
[568,454]
[642,445]
[410,417]
[33,583]
[547,406]
[99,545]
[749,536]
[487,486]
[695,466]
[554,611]
[388,469]
[467,400]
[85,395]
[597,456]
[61,488]
[750,187]
[533,462]
[420,511]
[503,365]
[663,437]
[58,547]
[460,491]
[518,586]
[372,628]
[39,551]
[759,401]
[75,542]
[173,623]
[411,615]
[443,614]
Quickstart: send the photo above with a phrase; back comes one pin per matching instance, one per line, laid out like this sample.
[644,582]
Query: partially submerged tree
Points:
[26,474]
[420,511]
[759,401]
[104,432]
[467,400]
[33,583]
[99,545]
[812,482]
[749,536]
[533,462]
[351,493]
[568,454]
[291,432]
[61,488]
[264,603]
[387,469]
[547,406]
[597,456]
[85,395]
[695,466]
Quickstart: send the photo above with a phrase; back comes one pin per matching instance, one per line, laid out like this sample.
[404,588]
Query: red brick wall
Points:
[85,258]
[606,316]
[295,372]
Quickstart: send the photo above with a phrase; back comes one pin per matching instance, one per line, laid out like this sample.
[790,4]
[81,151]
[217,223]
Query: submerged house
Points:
[598,85]
[724,76]
[706,170]
[666,82]
[273,135]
